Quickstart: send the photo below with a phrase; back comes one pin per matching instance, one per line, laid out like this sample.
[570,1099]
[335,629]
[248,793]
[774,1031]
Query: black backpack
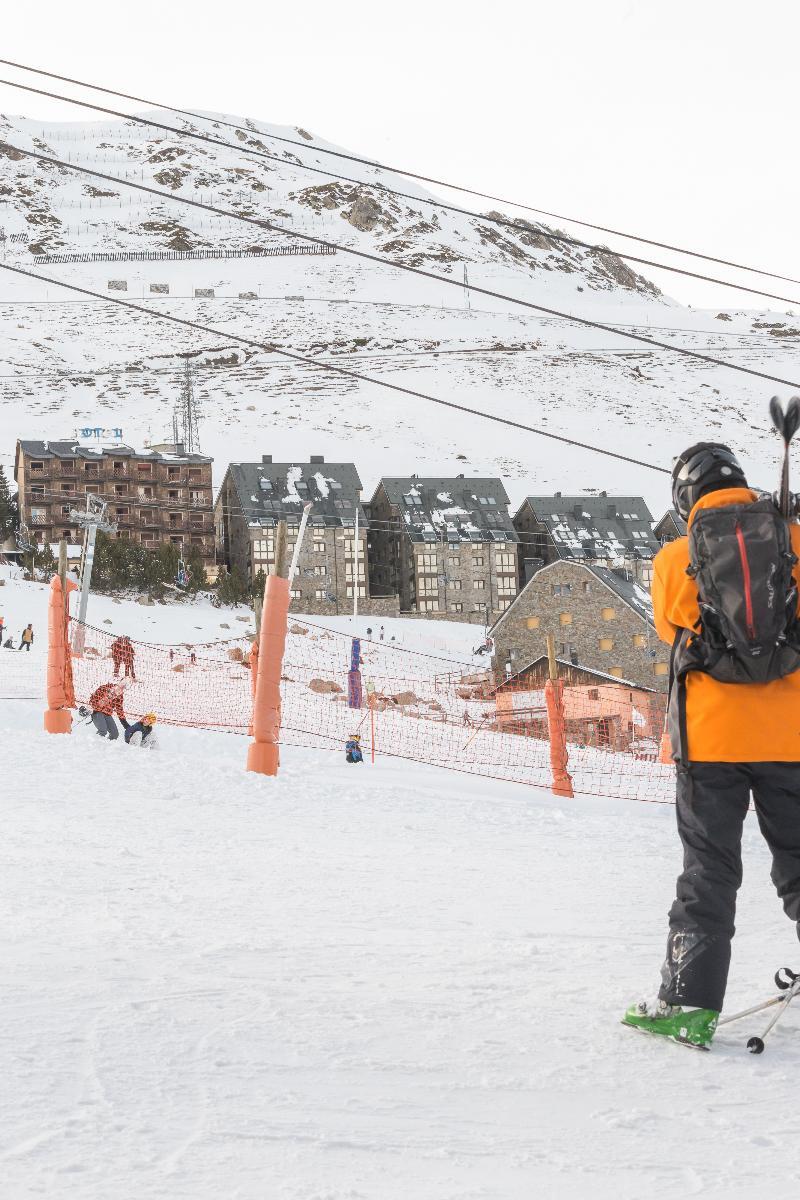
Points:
[741,559]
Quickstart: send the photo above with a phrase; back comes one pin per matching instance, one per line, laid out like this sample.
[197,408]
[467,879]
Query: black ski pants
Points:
[712,803]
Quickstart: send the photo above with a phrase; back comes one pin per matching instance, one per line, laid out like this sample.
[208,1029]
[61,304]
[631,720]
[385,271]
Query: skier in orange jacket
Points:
[729,739]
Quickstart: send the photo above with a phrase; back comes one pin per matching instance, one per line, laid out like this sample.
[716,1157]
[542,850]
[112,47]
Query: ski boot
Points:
[690,1026]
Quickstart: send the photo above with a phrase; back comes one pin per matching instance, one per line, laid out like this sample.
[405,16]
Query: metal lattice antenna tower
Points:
[186,415]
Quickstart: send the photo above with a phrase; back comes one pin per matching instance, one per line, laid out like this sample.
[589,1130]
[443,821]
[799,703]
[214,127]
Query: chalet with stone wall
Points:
[601,620]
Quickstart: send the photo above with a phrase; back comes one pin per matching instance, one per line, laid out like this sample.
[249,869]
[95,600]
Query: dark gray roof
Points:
[590,527]
[73,449]
[633,594]
[270,492]
[457,508]
[677,521]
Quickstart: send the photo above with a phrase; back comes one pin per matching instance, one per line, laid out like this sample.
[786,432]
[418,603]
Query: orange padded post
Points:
[554,699]
[262,755]
[254,673]
[60,695]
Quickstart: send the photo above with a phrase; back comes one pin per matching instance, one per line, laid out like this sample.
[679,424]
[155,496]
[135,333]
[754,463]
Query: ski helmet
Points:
[704,467]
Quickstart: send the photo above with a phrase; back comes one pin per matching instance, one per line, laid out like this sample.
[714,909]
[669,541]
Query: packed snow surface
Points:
[379,983]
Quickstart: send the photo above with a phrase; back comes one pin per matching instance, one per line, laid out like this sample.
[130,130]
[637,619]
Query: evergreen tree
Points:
[232,587]
[8,508]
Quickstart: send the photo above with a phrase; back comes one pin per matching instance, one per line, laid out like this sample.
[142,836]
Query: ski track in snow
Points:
[388,983]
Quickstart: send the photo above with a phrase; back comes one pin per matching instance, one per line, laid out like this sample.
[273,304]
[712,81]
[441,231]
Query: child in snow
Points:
[352,749]
[143,727]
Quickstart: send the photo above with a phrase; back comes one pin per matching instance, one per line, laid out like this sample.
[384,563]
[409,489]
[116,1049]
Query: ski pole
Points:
[756,1044]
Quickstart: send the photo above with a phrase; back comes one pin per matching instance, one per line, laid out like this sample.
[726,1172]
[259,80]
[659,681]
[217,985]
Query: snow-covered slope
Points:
[67,362]
[356,983]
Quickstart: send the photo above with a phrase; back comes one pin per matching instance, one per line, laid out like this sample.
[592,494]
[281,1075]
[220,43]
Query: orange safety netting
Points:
[400,702]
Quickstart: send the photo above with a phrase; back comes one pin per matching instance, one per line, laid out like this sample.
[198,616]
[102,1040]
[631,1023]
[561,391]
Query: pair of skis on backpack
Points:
[696,1027]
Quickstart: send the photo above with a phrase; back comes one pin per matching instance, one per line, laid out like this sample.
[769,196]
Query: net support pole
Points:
[554,699]
[262,755]
[57,717]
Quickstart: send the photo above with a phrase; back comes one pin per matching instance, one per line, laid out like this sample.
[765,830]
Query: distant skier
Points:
[144,728]
[106,703]
[352,749]
[27,638]
[123,655]
[734,715]
[381,635]
[2,627]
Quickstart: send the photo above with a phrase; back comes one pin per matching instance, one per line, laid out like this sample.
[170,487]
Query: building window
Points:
[319,547]
[608,614]
[606,644]
[479,584]
[320,570]
[479,607]
[297,594]
[321,594]
[594,693]
[39,516]
[478,562]
[428,605]
[144,469]
[587,587]
[565,618]
[426,562]
[533,622]
[639,640]
[503,603]
[506,585]
[453,560]
[504,561]
[37,466]
[561,589]
[176,540]
[661,668]
[362,589]
[428,587]
[456,606]
[37,491]
[455,584]
[615,671]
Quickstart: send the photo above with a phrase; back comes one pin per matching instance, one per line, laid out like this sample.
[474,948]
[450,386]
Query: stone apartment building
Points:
[444,546]
[601,620]
[255,496]
[153,496]
[609,531]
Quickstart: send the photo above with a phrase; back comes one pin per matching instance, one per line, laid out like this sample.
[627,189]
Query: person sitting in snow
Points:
[106,702]
[352,749]
[143,727]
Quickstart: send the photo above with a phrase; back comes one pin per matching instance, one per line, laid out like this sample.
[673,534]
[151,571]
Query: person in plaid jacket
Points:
[106,703]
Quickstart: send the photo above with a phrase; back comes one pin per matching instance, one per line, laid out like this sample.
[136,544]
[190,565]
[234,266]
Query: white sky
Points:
[674,120]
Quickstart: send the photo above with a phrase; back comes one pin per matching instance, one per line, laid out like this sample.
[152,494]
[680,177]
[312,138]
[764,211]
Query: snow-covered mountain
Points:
[67,362]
